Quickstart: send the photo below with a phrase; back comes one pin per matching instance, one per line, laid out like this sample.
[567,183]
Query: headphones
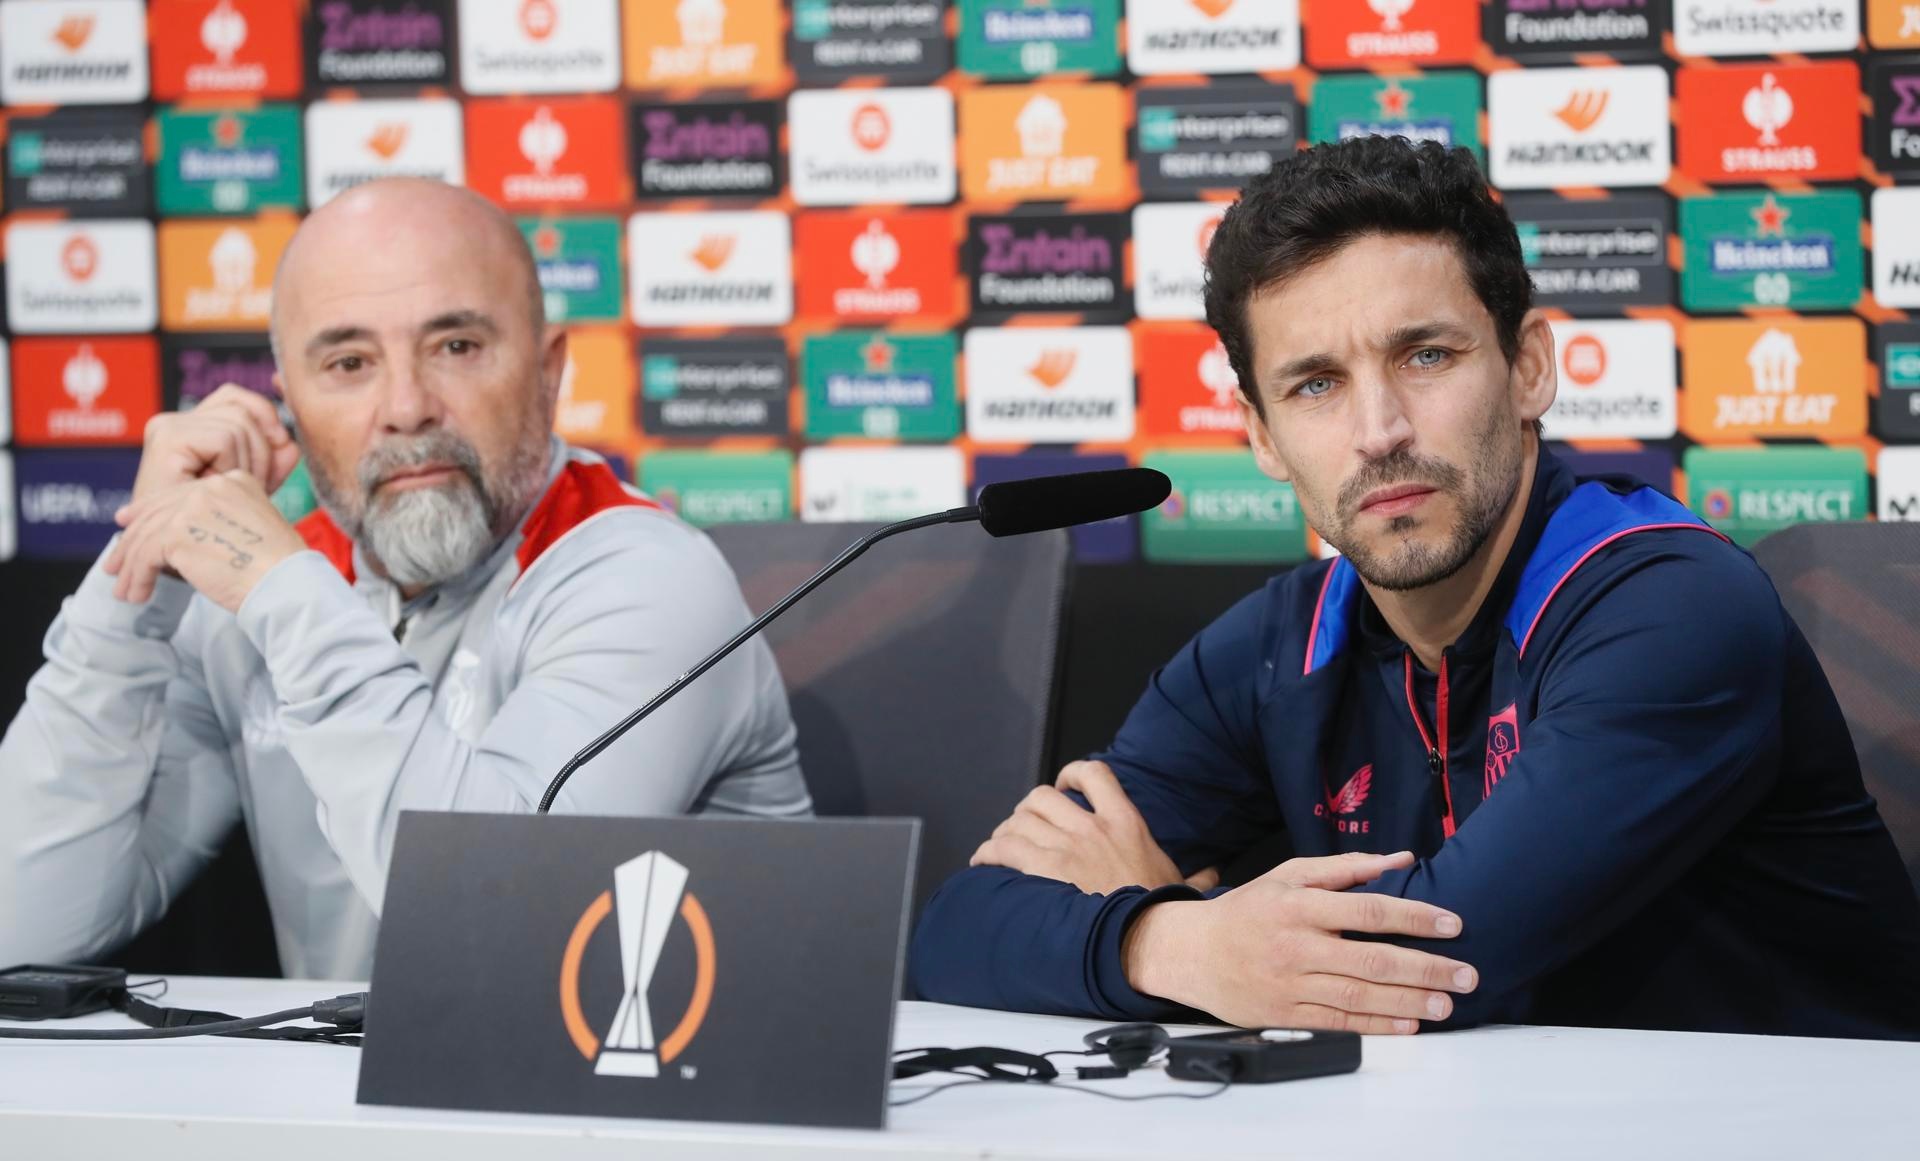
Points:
[1129,1046]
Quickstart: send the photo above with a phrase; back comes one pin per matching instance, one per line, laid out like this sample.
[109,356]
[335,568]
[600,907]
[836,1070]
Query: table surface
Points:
[1485,1094]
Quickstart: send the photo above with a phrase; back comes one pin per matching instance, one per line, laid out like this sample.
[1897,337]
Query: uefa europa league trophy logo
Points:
[647,893]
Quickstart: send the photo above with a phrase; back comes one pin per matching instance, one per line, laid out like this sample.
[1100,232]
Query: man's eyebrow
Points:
[333,336]
[1424,332]
[456,320]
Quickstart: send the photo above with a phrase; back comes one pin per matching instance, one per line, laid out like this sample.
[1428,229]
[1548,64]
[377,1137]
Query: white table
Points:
[1489,1094]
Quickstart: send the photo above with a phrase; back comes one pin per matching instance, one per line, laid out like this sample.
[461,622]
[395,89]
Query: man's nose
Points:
[408,404]
[1381,425]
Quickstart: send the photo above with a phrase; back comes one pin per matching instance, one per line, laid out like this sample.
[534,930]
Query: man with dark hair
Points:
[1551,749]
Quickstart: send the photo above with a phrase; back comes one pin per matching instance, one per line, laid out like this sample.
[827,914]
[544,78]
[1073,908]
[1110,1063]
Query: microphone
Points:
[1006,509]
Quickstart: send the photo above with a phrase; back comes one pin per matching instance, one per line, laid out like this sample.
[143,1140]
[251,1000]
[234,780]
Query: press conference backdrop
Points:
[844,259]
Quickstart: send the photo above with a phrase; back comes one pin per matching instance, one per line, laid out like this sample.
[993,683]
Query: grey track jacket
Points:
[326,706]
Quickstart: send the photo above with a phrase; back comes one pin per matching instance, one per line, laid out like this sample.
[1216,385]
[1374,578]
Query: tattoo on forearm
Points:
[239,557]
[247,535]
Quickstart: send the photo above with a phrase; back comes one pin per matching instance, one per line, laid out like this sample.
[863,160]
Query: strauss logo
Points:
[1216,375]
[1768,108]
[223,32]
[875,253]
[543,140]
[1390,12]
[84,378]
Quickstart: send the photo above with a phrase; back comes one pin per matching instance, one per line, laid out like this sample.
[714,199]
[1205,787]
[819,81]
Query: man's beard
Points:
[425,535]
[1482,499]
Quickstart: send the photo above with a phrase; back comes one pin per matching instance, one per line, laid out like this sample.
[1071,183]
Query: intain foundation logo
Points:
[649,895]
[707,149]
[371,42]
[1072,263]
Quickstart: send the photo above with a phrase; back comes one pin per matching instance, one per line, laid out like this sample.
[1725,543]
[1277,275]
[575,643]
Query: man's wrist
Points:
[1149,951]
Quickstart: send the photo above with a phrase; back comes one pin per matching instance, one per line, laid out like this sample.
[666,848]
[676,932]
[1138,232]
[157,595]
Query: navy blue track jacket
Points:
[1629,778]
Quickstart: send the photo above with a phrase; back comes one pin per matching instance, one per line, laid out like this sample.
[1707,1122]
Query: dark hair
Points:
[1312,204]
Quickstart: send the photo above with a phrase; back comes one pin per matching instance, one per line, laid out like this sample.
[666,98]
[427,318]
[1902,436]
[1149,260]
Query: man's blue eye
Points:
[1313,388]
[1421,357]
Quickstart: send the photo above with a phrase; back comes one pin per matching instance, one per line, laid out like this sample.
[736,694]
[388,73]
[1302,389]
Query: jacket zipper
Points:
[1436,754]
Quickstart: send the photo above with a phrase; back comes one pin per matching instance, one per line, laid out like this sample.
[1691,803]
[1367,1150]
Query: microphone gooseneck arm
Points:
[853,551]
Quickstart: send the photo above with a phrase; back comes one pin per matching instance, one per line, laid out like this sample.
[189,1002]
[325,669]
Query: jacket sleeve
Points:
[624,612]
[115,778]
[1655,732]
[1188,756]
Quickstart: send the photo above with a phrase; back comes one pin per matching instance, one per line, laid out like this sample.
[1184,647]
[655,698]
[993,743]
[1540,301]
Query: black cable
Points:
[156,1033]
[349,1010]
[1225,1082]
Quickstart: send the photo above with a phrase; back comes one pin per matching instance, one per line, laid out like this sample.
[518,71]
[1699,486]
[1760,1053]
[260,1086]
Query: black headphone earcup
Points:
[1128,1045]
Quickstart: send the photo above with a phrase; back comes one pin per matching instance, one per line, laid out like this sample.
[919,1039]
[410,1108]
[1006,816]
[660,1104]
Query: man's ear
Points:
[553,362]
[1265,453]
[1535,377]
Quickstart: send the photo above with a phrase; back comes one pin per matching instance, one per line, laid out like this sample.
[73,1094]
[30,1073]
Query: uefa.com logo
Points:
[650,891]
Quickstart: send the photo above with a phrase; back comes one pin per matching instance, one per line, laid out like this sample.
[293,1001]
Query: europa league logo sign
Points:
[651,891]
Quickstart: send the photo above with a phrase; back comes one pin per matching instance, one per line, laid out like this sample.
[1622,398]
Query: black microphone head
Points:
[1017,506]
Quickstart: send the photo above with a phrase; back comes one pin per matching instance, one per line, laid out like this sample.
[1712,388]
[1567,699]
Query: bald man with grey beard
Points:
[473,601]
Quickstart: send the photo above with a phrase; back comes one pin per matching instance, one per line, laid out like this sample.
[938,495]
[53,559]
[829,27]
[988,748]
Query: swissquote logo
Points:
[649,895]
[539,46]
[1579,127]
[55,52]
[80,277]
[1341,805]
[857,146]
